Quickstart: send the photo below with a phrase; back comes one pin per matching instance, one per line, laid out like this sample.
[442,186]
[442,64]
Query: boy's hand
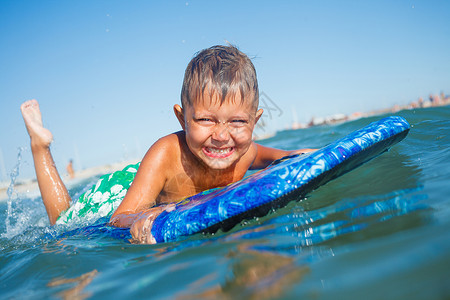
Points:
[141,229]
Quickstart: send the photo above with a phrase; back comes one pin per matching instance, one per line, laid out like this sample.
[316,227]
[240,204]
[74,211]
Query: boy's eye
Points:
[205,121]
[238,123]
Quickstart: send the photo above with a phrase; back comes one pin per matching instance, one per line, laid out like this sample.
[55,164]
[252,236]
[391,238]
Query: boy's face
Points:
[218,134]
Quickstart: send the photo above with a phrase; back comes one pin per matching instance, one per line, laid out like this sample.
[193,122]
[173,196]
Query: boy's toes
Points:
[28,104]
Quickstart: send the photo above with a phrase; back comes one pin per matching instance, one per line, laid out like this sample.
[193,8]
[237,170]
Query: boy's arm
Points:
[146,186]
[266,155]
[136,210]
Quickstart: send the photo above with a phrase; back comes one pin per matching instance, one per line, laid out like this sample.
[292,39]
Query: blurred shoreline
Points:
[432,101]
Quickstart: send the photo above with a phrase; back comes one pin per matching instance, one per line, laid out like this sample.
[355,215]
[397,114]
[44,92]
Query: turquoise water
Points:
[381,231]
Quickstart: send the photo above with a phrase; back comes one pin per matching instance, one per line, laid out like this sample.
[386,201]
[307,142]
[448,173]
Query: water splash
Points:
[12,196]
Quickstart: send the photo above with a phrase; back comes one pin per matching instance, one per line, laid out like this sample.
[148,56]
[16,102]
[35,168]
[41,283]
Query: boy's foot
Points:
[32,116]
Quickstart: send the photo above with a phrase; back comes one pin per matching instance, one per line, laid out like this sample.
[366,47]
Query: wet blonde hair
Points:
[224,71]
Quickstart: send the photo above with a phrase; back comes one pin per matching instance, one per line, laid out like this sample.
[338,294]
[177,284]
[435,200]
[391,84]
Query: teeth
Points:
[219,151]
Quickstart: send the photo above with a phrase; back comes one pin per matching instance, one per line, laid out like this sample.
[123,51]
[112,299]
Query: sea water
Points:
[381,231]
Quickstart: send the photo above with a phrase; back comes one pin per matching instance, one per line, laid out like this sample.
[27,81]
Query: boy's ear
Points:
[180,115]
[258,115]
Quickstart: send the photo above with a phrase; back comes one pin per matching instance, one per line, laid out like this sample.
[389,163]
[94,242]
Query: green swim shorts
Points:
[102,199]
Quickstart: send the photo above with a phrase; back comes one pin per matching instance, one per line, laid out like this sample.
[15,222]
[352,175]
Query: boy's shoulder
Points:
[164,154]
[171,143]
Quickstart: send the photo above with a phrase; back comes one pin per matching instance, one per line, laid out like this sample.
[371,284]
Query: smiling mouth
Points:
[218,152]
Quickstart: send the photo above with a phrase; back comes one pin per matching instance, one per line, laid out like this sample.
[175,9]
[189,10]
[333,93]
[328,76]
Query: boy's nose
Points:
[220,132]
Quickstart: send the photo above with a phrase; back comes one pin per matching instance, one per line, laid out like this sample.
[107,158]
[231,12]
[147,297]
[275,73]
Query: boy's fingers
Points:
[141,229]
[170,207]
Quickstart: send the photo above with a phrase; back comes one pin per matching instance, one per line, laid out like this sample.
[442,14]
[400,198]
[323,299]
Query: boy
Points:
[219,111]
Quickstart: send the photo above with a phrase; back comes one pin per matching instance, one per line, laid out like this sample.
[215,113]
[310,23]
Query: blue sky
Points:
[107,73]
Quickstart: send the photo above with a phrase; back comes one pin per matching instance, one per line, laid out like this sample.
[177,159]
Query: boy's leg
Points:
[53,191]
